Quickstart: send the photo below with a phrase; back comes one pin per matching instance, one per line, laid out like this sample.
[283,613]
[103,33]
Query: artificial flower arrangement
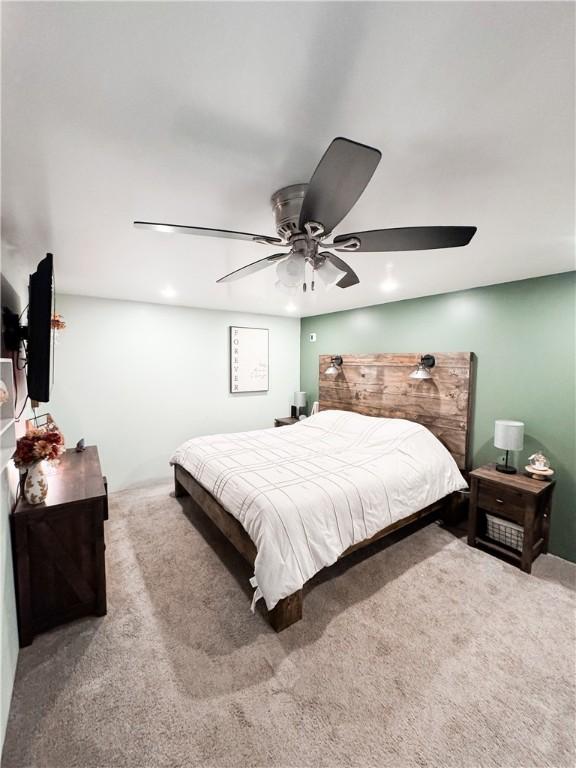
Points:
[39,443]
[57,323]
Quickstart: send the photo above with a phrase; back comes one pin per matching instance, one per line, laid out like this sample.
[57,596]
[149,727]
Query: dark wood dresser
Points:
[58,547]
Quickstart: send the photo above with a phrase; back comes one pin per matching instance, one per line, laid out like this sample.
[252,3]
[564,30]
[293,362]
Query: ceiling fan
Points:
[306,214]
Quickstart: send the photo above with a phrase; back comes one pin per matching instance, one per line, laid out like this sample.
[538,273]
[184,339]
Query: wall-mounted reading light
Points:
[423,371]
[335,366]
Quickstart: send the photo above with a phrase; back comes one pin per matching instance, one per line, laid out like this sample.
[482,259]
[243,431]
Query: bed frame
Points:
[374,385]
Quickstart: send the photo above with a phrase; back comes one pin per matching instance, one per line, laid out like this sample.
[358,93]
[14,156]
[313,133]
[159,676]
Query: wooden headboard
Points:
[379,385]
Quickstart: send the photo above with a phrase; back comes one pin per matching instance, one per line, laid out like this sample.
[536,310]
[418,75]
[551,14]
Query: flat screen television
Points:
[39,334]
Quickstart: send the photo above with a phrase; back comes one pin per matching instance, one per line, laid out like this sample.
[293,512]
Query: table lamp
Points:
[300,403]
[509,436]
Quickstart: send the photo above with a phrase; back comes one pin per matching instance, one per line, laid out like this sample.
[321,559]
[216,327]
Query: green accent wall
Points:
[523,335]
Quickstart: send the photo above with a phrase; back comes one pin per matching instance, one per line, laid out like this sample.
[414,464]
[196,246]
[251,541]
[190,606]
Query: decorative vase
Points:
[35,485]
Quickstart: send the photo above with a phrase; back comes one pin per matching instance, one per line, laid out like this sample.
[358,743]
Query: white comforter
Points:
[306,492]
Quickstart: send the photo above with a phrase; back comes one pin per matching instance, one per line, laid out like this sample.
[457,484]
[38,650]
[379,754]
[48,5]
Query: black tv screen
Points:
[39,345]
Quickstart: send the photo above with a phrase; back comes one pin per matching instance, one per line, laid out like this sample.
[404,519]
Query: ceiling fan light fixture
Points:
[307,213]
[330,275]
[290,271]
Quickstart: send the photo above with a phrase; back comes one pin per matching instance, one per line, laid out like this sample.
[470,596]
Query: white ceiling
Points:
[194,113]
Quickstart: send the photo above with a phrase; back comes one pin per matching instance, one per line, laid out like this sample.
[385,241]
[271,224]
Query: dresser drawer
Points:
[505,502]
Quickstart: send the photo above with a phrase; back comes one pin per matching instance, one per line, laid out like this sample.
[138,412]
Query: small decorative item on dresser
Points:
[539,467]
[509,515]
[508,435]
[35,484]
[39,444]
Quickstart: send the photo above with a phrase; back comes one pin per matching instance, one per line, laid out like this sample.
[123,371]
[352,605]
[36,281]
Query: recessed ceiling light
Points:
[168,292]
[388,285]
[291,307]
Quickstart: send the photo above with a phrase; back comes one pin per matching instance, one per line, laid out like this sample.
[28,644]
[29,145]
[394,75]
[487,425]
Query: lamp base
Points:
[506,468]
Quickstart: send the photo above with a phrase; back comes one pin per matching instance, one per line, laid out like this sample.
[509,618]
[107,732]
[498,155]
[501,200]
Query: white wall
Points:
[14,293]
[138,379]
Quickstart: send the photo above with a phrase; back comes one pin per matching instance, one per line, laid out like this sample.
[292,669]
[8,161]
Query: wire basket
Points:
[505,532]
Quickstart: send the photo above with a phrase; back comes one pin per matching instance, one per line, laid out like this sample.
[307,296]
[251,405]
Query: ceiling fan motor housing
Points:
[286,204]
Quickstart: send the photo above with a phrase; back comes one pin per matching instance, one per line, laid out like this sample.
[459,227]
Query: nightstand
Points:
[516,498]
[285,422]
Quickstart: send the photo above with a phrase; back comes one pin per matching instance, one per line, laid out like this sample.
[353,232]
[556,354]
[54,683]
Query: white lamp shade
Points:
[421,373]
[291,271]
[509,435]
[329,274]
[300,399]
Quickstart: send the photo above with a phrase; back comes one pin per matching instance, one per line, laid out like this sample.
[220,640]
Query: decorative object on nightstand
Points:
[539,467]
[300,402]
[509,436]
[285,421]
[509,514]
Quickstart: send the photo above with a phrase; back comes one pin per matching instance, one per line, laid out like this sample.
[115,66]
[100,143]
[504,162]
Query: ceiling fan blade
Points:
[250,269]
[350,278]
[205,232]
[338,181]
[409,238]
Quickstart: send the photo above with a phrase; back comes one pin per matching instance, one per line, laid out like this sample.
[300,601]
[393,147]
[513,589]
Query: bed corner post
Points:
[179,489]
[286,612]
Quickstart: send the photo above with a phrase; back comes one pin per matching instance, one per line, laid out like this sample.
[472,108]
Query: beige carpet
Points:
[426,653]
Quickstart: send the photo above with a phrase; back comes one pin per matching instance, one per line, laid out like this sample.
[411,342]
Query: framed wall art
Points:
[248,359]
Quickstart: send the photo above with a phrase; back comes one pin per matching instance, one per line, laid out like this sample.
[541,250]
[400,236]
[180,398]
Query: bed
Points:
[384,451]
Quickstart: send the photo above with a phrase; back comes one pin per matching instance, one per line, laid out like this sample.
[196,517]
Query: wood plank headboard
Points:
[379,385]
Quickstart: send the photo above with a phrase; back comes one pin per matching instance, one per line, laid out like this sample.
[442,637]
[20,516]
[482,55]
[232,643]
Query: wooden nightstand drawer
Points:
[504,502]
